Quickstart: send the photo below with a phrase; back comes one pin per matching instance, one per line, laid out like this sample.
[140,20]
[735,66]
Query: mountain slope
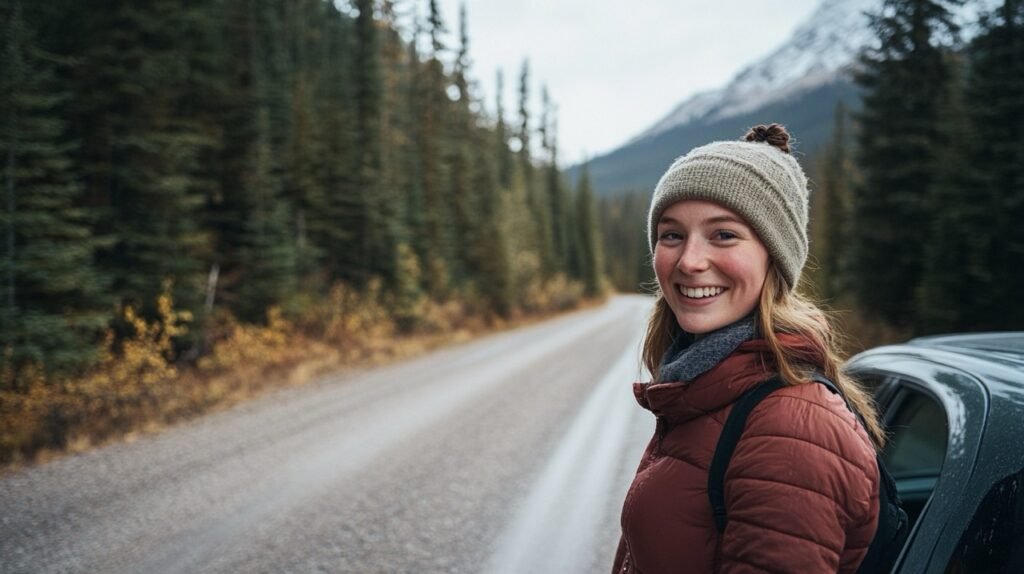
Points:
[799,85]
[816,55]
[639,165]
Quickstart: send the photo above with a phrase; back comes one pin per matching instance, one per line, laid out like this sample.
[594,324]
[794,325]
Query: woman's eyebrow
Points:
[724,219]
[709,221]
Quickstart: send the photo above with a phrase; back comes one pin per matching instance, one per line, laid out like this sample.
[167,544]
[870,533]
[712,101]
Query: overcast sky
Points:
[615,68]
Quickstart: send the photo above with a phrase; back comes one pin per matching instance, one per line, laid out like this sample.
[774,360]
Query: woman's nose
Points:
[694,257]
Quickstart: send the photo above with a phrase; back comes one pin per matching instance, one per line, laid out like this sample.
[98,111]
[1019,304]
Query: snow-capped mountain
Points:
[799,84]
[820,49]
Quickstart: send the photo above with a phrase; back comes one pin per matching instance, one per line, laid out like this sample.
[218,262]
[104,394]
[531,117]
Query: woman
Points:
[728,234]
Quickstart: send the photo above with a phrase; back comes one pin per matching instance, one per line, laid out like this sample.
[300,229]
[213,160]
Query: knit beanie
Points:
[758,179]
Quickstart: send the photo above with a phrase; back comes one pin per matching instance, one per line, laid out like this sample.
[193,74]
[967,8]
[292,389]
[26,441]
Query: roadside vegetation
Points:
[206,198]
[139,383]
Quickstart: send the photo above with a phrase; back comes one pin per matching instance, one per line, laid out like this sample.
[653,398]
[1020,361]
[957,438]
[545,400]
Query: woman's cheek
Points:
[663,263]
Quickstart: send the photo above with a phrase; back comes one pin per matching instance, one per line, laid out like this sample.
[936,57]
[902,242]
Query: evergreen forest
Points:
[921,190]
[197,186]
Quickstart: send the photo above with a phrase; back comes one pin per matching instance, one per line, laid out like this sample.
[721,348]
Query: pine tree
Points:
[495,238]
[256,251]
[267,256]
[624,239]
[906,83]
[466,224]
[51,302]
[501,148]
[364,222]
[399,163]
[335,114]
[954,277]
[142,100]
[493,246]
[305,155]
[832,204]
[412,161]
[518,230]
[536,194]
[433,144]
[995,106]
[555,187]
[590,255]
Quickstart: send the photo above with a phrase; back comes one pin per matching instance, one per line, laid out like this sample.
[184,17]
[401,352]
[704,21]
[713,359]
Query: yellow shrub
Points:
[251,346]
[133,377]
[555,294]
[355,319]
[23,415]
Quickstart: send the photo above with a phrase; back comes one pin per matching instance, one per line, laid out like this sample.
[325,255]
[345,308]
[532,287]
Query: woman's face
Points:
[710,265]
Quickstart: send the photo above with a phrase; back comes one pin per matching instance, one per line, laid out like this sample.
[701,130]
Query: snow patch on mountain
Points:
[820,48]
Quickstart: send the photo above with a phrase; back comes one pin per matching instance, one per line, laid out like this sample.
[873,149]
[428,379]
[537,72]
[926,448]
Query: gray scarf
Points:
[687,359]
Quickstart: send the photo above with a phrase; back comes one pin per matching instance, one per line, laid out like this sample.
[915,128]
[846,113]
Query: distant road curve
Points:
[509,454]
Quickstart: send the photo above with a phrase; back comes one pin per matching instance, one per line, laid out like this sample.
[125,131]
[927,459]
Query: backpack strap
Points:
[727,444]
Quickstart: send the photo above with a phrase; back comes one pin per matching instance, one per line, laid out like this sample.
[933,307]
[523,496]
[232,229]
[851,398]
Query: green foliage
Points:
[976,282]
[591,256]
[297,178]
[624,240]
[907,83]
[935,241]
[52,306]
[832,211]
[995,100]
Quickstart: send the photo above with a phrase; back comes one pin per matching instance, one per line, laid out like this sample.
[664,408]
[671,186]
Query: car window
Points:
[916,448]
[917,440]
[994,540]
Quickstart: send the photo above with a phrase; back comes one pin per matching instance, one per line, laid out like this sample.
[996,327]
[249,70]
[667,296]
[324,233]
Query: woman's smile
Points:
[700,293]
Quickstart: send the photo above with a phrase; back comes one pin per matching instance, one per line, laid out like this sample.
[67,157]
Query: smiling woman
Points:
[728,236]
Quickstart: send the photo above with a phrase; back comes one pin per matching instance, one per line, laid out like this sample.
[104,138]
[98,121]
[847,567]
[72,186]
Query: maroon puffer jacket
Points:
[801,490]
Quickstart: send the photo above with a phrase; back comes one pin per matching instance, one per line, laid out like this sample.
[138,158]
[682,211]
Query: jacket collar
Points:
[749,365]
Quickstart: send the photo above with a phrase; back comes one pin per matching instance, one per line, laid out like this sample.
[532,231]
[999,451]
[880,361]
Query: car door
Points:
[934,414]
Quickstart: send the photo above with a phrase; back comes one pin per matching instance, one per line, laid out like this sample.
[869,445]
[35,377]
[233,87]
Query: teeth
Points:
[701,292]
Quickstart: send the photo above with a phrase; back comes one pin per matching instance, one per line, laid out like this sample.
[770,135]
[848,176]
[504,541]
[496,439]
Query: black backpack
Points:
[893,527]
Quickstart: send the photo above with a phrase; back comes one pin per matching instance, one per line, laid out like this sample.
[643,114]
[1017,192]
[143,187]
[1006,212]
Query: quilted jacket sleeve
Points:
[801,489]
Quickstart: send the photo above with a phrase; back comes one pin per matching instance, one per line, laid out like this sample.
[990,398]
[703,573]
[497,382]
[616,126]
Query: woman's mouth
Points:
[700,292]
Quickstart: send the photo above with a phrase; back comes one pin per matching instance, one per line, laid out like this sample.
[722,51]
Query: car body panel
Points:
[979,381]
[965,401]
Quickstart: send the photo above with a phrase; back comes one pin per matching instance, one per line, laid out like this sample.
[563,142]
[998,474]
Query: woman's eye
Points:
[669,236]
[723,235]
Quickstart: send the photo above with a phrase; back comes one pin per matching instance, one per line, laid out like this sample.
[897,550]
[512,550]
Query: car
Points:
[953,406]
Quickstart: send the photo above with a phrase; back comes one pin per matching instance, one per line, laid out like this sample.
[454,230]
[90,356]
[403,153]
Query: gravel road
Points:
[509,454]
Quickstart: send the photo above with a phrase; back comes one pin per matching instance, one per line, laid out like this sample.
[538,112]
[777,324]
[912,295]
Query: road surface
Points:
[509,454]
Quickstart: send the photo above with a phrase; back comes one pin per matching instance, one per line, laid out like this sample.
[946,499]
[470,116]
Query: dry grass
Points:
[137,389]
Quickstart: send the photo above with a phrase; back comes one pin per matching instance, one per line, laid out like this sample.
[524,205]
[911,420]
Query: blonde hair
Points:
[780,310]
